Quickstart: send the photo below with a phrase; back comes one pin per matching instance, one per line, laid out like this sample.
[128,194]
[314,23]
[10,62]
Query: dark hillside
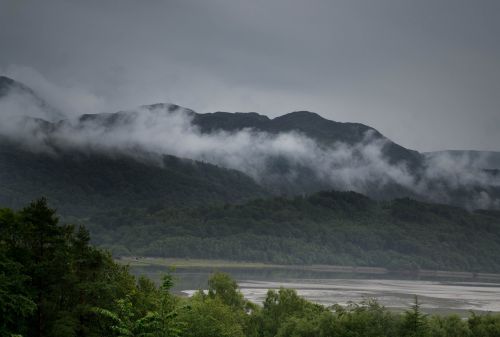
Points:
[341,228]
[80,183]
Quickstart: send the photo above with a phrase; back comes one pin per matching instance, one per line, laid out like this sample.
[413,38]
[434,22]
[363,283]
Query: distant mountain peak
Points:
[7,84]
[163,105]
[252,115]
[6,80]
[301,114]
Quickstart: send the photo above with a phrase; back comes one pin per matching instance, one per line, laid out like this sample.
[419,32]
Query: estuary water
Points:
[396,292]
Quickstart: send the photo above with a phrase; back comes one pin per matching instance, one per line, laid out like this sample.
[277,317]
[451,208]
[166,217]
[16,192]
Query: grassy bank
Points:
[226,264]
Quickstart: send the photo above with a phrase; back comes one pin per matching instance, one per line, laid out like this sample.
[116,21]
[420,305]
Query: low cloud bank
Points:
[285,157]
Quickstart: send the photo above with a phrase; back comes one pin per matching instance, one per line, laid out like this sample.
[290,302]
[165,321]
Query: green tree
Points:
[448,326]
[281,306]
[222,286]
[210,317]
[16,304]
[484,325]
[53,277]
[47,263]
[415,322]
[367,319]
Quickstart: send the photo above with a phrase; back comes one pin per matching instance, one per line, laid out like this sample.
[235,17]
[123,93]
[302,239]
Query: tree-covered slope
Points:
[343,228]
[80,183]
[54,283]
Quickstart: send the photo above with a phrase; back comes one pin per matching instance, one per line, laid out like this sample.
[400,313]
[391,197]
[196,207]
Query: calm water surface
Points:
[393,291]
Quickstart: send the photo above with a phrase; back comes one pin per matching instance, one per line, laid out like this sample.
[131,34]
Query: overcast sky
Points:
[426,73]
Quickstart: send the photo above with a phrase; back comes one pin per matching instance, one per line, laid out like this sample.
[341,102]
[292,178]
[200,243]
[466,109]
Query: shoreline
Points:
[182,263]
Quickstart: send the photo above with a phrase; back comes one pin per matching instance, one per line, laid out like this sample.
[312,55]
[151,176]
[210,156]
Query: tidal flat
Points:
[438,292]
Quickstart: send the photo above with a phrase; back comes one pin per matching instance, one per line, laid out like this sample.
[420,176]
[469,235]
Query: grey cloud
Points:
[146,132]
[425,73]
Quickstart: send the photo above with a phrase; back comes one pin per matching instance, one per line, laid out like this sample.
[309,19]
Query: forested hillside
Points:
[124,175]
[341,228]
[53,283]
[80,183]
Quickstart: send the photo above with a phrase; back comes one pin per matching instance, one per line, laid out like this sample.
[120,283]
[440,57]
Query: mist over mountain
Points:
[489,160]
[18,100]
[296,153]
[81,183]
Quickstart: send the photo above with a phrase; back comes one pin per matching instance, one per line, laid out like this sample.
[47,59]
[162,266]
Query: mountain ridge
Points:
[399,172]
[153,203]
[9,86]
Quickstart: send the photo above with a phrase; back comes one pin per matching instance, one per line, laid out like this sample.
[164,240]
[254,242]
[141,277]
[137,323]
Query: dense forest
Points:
[183,208]
[54,283]
[111,172]
[80,182]
[340,228]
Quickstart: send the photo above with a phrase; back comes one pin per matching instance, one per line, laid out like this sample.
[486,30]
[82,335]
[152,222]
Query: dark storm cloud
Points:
[425,73]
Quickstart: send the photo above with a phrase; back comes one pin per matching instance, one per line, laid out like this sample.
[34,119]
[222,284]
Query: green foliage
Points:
[125,321]
[82,183]
[368,319]
[448,326]
[279,308]
[16,305]
[54,283]
[484,325]
[224,288]
[210,317]
[339,228]
[415,322]
[55,277]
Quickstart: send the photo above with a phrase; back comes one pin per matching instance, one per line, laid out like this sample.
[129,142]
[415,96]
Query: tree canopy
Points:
[54,283]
